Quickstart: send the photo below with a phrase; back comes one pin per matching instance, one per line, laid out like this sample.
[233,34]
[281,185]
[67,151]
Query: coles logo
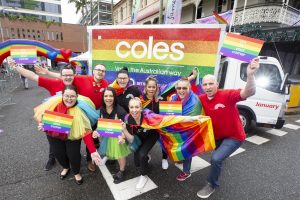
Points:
[158,50]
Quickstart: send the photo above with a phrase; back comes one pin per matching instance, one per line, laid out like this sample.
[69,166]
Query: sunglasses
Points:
[181,88]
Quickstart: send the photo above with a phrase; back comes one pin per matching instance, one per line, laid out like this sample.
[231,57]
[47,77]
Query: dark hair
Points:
[124,70]
[151,78]
[70,87]
[68,66]
[114,94]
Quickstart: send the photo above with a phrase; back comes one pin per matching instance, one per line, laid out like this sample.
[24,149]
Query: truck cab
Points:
[268,105]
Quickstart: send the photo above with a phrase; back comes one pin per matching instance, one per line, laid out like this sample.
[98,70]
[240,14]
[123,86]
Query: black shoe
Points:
[118,177]
[62,177]
[50,164]
[79,182]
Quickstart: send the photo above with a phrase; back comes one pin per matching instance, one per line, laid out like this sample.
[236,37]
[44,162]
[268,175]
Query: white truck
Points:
[267,106]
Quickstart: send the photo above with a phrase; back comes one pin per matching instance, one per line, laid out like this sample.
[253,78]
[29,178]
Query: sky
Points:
[68,12]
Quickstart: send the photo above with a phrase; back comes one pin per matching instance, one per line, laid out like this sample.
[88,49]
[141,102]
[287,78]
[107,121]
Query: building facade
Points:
[49,10]
[101,13]
[269,13]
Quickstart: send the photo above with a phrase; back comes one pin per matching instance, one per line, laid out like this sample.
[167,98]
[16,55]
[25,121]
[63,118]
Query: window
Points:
[218,6]
[33,34]
[52,33]
[48,35]
[38,35]
[121,13]
[12,30]
[61,36]
[222,74]
[19,33]
[267,76]
[23,33]
[43,35]
[199,10]
[28,33]
[57,38]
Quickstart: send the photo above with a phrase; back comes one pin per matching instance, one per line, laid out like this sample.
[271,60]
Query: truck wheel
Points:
[246,119]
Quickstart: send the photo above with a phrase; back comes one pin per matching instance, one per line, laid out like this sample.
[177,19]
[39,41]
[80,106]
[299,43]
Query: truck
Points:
[267,107]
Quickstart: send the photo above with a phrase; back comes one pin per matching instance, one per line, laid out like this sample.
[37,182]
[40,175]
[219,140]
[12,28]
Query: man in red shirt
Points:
[220,105]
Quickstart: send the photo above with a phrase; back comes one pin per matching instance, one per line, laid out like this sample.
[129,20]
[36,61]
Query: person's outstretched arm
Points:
[44,71]
[24,72]
[250,87]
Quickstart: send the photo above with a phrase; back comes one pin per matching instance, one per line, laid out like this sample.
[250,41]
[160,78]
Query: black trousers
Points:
[141,155]
[51,151]
[67,153]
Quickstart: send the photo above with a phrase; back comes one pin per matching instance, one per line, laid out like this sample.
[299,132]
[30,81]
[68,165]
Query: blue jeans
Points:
[187,165]
[225,148]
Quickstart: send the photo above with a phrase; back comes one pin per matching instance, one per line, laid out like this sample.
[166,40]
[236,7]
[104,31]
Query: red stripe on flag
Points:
[245,38]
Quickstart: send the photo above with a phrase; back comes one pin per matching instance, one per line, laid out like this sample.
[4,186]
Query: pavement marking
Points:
[126,189]
[197,164]
[239,150]
[298,121]
[291,126]
[257,139]
[277,132]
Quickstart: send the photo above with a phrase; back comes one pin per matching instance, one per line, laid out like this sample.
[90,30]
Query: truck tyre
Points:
[246,119]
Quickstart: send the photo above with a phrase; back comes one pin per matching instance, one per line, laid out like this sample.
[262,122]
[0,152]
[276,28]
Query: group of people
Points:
[88,98]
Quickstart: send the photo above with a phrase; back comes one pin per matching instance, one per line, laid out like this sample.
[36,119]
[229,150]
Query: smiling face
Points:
[135,109]
[210,85]
[122,80]
[99,72]
[67,76]
[69,98]
[151,89]
[108,98]
[182,88]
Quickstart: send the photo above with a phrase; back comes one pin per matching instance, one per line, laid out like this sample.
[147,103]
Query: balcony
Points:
[267,13]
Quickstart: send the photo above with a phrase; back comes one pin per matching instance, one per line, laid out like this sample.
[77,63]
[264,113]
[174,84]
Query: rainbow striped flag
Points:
[181,140]
[219,19]
[241,47]
[109,127]
[57,122]
[170,108]
[23,54]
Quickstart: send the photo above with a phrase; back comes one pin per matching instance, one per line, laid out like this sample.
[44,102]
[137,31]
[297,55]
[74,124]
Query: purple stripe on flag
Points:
[58,129]
[237,54]
[109,133]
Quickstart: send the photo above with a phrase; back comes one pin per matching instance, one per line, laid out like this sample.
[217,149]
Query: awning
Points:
[82,57]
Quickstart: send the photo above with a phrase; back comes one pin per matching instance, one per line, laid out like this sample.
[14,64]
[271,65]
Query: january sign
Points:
[168,51]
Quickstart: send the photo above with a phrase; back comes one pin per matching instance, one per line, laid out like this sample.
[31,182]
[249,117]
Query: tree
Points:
[80,5]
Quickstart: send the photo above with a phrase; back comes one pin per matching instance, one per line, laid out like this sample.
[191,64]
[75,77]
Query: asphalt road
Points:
[270,170]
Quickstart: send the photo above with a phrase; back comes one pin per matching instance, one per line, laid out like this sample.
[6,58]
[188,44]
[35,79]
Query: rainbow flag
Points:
[109,127]
[57,122]
[241,47]
[170,108]
[219,19]
[23,54]
[181,140]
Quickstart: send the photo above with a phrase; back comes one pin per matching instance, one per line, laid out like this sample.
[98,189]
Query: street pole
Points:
[161,5]
[233,15]
[2,35]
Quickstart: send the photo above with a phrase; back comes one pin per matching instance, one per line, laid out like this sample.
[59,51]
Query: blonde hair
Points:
[136,99]
[184,79]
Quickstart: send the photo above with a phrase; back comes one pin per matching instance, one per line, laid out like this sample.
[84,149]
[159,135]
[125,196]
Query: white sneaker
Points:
[149,158]
[103,161]
[164,164]
[141,183]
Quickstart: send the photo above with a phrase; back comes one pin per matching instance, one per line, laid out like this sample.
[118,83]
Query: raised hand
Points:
[41,69]
[253,67]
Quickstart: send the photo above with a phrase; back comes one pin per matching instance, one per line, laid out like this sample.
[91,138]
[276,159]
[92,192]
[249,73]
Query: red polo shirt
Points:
[224,114]
[50,84]
[88,87]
